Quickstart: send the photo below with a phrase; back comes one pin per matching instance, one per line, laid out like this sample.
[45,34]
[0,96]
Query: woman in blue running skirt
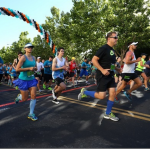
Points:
[26,80]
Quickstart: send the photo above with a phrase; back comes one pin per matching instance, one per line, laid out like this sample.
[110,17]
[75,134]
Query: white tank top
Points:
[129,68]
[59,73]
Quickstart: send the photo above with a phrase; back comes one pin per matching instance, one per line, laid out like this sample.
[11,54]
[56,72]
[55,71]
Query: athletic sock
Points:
[109,107]
[90,93]
[32,105]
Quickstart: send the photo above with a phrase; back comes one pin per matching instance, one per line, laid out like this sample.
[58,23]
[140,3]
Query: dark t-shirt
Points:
[148,69]
[107,57]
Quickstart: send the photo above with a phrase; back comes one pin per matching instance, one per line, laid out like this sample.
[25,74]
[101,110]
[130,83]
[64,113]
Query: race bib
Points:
[30,73]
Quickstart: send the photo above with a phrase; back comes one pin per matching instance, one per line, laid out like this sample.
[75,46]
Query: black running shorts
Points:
[105,82]
[58,81]
[129,76]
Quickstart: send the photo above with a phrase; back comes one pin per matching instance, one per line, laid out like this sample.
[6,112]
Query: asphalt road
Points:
[73,123]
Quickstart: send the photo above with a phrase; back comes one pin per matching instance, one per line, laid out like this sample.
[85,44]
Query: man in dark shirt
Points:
[147,70]
[104,60]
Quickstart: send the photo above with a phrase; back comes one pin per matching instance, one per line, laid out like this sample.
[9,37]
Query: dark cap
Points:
[143,54]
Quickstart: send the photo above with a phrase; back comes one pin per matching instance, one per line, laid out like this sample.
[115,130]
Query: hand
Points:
[32,68]
[64,67]
[139,59]
[105,72]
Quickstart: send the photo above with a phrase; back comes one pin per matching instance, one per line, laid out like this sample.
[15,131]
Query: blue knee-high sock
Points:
[32,105]
[109,106]
[90,93]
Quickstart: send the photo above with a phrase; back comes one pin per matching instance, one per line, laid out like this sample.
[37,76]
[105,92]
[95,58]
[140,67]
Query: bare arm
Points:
[129,57]
[20,63]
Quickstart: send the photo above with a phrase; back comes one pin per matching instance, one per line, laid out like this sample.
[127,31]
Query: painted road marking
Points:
[133,114]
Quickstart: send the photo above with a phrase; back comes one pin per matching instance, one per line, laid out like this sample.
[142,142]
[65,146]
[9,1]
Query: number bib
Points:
[30,73]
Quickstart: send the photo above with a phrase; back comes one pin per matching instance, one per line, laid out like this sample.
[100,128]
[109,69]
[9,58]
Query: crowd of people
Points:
[27,73]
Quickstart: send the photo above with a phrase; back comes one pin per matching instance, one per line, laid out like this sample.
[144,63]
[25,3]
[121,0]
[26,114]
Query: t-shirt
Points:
[94,69]
[147,69]
[84,64]
[48,70]
[107,58]
[39,66]
[88,68]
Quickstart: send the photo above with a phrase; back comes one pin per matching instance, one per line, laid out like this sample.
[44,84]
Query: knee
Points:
[33,96]
[112,94]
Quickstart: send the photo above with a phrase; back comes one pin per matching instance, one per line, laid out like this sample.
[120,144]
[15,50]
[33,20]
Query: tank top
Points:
[27,75]
[72,66]
[129,68]
[59,73]
[139,67]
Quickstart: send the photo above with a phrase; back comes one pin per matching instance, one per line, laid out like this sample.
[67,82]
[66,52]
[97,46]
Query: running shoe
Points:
[116,100]
[111,116]
[49,88]
[55,101]
[53,94]
[81,94]
[32,117]
[44,86]
[127,95]
[18,98]
[40,91]
[87,83]
[146,89]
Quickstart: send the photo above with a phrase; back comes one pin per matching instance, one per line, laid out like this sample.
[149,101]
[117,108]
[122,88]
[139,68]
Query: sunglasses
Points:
[115,37]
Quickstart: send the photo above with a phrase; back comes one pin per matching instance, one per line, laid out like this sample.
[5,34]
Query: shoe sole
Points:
[111,119]
[79,96]
[55,102]
[32,119]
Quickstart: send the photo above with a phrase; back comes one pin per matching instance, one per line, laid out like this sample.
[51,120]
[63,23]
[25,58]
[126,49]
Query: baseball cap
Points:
[143,54]
[38,57]
[133,43]
[28,45]
[73,58]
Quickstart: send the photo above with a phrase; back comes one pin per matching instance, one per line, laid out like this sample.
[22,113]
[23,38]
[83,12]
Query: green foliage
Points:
[82,30]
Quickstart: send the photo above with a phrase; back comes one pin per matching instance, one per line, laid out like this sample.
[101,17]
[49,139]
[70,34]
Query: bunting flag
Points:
[25,18]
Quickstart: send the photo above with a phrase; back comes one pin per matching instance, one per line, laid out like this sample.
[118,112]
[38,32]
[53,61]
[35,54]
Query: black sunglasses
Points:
[115,37]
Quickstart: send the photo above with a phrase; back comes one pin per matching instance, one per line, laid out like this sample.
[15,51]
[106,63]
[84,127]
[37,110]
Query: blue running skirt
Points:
[25,84]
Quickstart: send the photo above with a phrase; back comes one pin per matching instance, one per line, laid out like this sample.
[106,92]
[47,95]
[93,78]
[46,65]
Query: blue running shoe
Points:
[127,95]
[32,117]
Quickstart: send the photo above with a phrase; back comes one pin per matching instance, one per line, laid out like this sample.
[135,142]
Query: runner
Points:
[118,77]
[93,74]
[58,67]
[38,73]
[13,73]
[147,70]
[72,67]
[104,60]
[17,60]
[26,81]
[140,70]
[128,72]
[48,73]
[83,71]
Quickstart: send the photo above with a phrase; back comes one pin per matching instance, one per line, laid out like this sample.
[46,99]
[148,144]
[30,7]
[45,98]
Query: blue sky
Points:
[11,27]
